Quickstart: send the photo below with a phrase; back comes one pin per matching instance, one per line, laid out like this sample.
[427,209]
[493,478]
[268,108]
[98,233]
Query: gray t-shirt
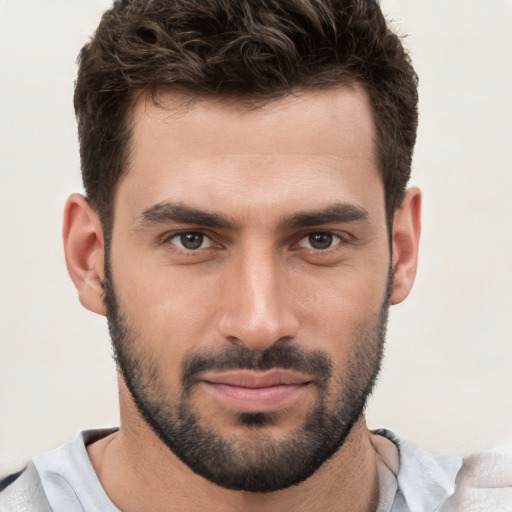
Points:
[410,479]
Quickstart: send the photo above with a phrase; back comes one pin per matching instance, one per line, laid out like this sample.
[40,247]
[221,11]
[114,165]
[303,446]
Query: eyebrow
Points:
[181,214]
[339,212]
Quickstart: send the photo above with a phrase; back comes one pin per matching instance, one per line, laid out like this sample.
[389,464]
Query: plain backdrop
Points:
[446,381]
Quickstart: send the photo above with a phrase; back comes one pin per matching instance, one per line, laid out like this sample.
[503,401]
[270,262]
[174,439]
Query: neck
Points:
[136,469]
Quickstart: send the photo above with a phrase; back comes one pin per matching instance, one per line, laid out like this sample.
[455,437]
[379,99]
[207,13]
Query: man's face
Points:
[247,280]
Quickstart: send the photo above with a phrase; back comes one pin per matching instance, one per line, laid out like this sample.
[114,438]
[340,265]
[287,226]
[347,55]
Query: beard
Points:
[257,463]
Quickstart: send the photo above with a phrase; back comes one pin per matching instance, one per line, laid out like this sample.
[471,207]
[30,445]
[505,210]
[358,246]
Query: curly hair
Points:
[255,51]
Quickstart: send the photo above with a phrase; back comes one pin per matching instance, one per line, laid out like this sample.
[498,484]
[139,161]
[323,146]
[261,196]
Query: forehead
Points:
[262,125]
[303,145]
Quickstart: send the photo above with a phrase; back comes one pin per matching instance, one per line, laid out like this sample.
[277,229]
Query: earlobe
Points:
[84,250]
[406,236]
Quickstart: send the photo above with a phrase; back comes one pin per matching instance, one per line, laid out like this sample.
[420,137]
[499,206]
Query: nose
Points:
[256,309]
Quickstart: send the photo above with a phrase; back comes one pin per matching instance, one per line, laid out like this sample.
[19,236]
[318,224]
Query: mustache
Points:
[236,357]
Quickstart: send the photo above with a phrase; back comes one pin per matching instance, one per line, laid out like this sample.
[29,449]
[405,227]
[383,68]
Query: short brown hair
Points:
[255,50]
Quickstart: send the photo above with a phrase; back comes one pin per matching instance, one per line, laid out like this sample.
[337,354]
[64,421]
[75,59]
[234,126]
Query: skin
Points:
[258,282]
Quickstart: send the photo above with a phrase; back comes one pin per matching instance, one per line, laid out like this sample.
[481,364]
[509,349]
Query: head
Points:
[250,52]
[245,167]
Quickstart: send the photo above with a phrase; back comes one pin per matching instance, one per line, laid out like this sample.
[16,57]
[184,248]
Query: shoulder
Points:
[481,482]
[23,491]
[484,483]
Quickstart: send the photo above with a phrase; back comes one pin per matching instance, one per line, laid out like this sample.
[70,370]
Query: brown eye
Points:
[191,240]
[320,241]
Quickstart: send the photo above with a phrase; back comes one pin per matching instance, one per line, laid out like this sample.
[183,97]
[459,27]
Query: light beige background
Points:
[446,381]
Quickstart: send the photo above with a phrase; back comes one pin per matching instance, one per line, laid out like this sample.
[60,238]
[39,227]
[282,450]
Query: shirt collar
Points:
[425,480]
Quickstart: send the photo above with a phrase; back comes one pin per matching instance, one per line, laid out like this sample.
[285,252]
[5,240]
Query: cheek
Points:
[171,309]
[339,307]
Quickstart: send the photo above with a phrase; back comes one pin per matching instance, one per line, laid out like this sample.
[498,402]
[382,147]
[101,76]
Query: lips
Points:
[249,391]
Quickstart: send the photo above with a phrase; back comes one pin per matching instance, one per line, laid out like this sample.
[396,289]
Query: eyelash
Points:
[342,239]
[167,239]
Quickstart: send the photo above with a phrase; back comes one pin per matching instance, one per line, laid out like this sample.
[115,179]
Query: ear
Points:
[84,251]
[406,237]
